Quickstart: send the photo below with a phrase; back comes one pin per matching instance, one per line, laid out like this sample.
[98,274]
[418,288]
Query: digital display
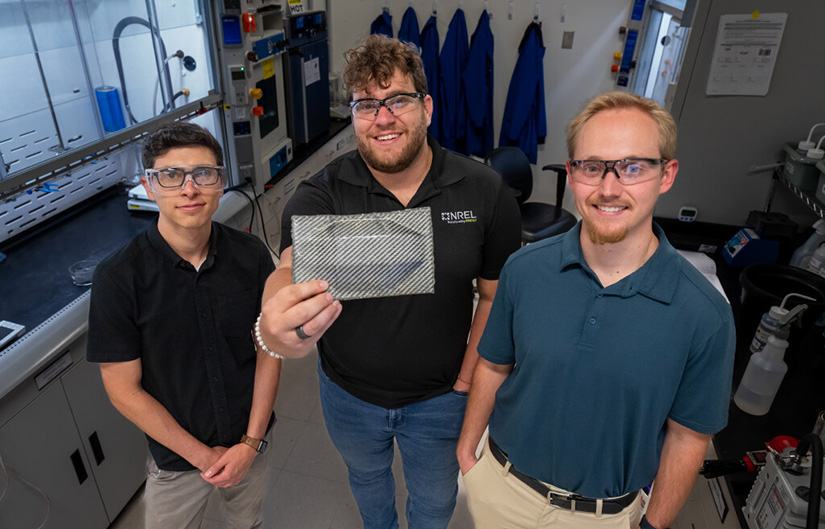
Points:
[231,30]
[237,75]
[4,331]
[319,18]
[299,22]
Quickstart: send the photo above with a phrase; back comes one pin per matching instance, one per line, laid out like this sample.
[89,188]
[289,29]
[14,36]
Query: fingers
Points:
[318,324]
[230,469]
[308,305]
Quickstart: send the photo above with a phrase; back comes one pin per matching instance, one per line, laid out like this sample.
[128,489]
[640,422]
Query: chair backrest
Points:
[514,167]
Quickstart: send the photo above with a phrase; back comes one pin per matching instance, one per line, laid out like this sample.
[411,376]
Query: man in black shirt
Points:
[170,324]
[397,369]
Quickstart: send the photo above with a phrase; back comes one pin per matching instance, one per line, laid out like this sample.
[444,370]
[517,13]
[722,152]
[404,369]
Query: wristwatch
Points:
[258,444]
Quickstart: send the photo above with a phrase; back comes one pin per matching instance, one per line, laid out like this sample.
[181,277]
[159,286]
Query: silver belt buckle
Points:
[571,497]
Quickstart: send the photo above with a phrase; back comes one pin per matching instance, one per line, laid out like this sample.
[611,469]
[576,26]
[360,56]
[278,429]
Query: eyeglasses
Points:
[398,104]
[207,178]
[629,171]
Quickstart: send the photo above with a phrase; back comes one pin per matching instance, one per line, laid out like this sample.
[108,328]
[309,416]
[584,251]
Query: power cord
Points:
[35,488]
[254,203]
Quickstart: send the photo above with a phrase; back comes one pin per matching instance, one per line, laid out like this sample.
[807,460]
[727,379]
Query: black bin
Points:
[765,285]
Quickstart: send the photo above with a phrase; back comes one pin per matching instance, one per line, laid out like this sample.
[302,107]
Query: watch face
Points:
[262,447]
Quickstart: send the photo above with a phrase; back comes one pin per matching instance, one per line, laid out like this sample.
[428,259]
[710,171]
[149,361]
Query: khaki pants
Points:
[177,500]
[498,499]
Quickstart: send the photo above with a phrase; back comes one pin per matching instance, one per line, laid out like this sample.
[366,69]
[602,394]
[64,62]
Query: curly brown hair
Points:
[376,61]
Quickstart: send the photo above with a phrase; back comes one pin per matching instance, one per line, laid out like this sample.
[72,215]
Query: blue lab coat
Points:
[453,60]
[525,123]
[409,28]
[478,80]
[382,25]
[429,55]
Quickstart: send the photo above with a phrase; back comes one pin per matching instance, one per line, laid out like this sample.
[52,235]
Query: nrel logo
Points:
[458,217]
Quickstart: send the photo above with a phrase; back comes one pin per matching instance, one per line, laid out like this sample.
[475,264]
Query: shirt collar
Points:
[656,279]
[437,176]
[159,243]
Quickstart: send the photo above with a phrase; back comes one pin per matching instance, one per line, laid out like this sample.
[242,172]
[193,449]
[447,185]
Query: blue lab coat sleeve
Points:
[524,123]
[429,55]
[409,28]
[478,81]
[452,60]
[382,25]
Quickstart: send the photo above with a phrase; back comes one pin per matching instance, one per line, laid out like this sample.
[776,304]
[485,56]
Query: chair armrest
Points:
[561,181]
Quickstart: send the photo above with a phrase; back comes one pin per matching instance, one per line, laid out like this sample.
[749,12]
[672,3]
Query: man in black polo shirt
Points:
[170,324]
[398,368]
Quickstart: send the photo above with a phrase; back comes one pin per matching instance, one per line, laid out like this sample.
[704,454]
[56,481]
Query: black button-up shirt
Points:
[190,329]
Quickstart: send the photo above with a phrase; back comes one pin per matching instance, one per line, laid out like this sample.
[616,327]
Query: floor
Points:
[308,488]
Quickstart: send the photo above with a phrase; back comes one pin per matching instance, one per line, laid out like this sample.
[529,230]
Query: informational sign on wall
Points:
[745,54]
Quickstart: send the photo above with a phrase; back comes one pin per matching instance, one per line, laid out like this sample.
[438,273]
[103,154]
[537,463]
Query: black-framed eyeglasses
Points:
[629,171]
[208,177]
[398,104]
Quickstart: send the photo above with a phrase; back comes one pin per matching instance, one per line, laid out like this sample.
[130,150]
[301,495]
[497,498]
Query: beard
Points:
[600,237]
[416,141]
[608,234]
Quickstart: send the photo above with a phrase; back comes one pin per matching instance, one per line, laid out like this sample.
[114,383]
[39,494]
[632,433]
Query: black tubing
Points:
[128,21]
[814,497]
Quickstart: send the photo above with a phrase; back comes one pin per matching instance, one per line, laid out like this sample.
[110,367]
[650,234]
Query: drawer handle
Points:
[79,467]
[97,450]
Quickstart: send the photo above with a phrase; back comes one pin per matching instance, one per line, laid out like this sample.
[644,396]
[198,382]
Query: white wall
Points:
[572,76]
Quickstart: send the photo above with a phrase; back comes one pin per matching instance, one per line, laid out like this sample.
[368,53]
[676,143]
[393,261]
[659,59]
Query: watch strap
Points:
[258,444]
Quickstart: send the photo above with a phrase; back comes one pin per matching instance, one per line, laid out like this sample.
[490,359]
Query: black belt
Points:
[570,501]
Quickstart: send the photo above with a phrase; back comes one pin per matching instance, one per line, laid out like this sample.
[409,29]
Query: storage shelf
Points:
[812,203]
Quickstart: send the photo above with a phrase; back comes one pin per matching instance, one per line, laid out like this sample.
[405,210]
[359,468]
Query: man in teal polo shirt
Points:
[606,361]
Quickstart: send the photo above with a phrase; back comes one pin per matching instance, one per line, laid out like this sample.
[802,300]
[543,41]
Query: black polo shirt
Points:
[190,329]
[395,351]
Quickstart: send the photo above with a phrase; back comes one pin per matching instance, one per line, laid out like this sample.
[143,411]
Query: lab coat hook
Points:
[435,8]
[511,9]
[536,17]
[386,8]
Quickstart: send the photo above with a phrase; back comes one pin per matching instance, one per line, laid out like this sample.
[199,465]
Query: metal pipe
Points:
[85,64]
[42,75]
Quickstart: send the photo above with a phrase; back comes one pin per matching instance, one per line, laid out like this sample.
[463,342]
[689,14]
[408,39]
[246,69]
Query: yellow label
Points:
[269,67]
[755,14]
[295,2]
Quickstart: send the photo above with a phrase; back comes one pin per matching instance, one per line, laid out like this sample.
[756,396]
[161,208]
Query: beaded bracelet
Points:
[260,340]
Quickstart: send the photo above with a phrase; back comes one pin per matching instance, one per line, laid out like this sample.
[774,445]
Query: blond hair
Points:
[621,100]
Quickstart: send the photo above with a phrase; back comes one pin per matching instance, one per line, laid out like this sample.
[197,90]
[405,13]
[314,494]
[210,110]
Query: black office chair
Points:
[538,219]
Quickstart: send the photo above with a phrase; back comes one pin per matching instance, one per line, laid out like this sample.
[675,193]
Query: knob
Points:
[252,56]
[258,111]
[256,93]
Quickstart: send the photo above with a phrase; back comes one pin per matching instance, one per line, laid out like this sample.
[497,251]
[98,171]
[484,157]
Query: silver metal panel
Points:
[37,348]
[368,255]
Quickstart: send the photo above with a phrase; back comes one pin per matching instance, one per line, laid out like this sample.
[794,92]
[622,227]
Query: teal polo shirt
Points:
[597,371]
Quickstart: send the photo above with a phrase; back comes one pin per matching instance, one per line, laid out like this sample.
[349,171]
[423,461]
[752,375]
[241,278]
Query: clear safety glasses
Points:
[398,104]
[629,171]
[206,178]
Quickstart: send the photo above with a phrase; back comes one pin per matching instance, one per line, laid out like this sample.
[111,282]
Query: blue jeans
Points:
[427,435]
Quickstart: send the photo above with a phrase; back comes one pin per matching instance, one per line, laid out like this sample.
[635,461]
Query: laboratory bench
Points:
[60,438]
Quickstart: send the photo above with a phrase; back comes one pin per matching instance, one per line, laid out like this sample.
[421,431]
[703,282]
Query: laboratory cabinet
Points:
[707,500]
[69,458]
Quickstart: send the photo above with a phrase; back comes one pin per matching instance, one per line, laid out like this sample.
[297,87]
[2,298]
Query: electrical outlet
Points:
[567,40]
